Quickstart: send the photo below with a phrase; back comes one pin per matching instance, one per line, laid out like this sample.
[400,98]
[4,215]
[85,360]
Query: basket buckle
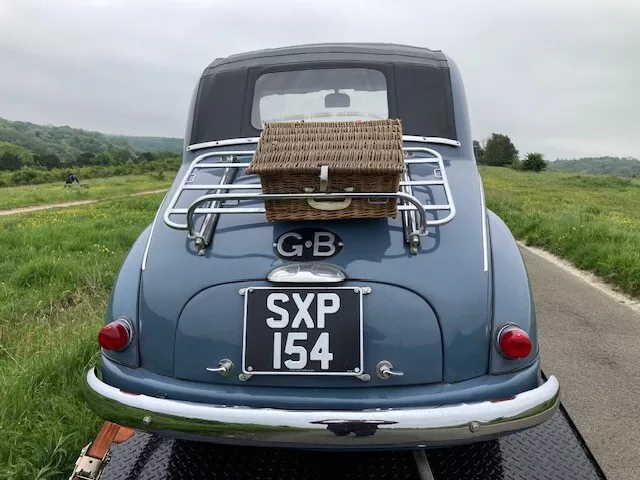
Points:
[328,205]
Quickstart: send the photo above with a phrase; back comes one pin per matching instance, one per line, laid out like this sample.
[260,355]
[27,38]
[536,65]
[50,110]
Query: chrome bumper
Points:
[377,428]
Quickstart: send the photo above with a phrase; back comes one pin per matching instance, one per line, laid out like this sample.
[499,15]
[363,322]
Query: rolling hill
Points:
[68,143]
[623,167]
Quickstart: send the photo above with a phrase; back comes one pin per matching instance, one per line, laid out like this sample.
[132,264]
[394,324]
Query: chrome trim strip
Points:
[223,143]
[387,428]
[249,140]
[439,140]
[307,273]
[124,321]
[143,266]
[485,240]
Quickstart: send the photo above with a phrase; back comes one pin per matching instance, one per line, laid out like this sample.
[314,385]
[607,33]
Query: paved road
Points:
[591,342]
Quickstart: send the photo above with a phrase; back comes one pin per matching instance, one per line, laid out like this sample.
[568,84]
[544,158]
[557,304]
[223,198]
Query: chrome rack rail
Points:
[414,213]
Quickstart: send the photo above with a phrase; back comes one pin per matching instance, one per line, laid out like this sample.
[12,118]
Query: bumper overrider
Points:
[375,428]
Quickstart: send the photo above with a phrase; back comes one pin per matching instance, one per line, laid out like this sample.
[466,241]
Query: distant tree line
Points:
[33,154]
[498,150]
[618,166]
[21,167]
[73,146]
[13,157]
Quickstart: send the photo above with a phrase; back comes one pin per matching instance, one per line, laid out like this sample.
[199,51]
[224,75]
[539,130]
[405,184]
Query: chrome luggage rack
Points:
[414,214]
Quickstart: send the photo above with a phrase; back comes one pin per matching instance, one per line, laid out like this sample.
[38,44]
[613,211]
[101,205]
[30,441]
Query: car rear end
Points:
[348,333]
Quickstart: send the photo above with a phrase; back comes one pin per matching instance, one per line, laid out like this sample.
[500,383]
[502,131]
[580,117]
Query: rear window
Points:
[331,94]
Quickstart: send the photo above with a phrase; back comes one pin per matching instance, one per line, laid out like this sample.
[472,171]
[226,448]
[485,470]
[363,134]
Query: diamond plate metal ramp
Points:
[552,451]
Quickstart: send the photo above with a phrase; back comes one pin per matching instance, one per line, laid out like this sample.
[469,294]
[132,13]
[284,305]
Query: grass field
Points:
[593,221]
[14,197]
[56,271]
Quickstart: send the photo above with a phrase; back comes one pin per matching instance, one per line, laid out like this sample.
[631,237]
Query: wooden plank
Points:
[105,437]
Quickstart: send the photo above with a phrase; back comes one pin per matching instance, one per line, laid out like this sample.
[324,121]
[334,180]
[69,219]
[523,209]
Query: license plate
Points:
[302,331]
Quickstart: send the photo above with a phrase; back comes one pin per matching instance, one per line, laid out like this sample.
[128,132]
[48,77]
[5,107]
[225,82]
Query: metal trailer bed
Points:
[553,450]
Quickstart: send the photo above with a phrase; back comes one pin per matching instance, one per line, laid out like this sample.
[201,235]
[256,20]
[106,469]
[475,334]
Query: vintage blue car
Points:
[380,333]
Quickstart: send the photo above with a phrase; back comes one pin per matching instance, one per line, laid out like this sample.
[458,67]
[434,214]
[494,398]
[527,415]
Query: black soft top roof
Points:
[387,52]
[418,85]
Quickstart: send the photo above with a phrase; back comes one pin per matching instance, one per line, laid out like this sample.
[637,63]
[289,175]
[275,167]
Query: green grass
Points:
[14,197]
[593,221]
[56,272]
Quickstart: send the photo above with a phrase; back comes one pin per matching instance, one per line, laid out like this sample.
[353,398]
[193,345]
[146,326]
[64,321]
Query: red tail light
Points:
[513,342]
[115,335]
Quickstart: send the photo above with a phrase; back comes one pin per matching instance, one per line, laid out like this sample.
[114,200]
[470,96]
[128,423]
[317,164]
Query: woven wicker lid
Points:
[350,147]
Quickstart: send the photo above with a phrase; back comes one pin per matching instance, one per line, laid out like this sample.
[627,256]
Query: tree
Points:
[533,162]
[48,160]
[499,150]
[85,158]
[478,149]
[10,161]
[12,157]
[121,155]
[146,157]
[105,158]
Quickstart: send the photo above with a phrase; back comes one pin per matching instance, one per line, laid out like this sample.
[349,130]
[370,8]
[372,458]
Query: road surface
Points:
[590,340]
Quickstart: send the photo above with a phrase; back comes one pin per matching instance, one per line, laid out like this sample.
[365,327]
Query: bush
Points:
[159,175]
[533,162]
[27,175]
[516,164]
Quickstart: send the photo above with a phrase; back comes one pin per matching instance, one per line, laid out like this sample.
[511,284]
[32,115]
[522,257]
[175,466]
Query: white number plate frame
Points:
[345,327]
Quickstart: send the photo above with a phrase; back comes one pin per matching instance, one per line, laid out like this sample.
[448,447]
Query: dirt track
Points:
[47,206]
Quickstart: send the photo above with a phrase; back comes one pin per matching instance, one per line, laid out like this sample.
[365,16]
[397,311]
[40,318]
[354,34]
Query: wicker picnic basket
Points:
[356,156]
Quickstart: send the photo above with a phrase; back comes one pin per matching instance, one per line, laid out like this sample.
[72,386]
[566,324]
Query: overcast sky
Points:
[559,77]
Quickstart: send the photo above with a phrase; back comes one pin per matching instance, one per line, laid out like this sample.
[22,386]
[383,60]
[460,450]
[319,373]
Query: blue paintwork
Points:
[433,315]
[404,331]
[374,251]
[513,302]
[486,387]
[124,299]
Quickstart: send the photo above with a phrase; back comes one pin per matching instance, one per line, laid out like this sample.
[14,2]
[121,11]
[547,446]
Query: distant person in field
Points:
[70,179]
